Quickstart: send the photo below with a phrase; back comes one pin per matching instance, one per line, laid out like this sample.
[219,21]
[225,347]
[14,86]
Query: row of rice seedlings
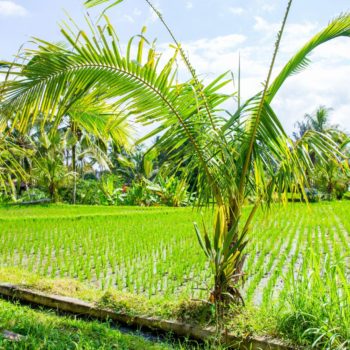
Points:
[64,211]
[317,232]
[276,274]
[272,238]
[270,265]
[332,244]
[111,253]
[326,249]
[293,266]
[156,253]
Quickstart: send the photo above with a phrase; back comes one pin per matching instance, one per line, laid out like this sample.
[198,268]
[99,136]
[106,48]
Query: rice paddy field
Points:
[154,251]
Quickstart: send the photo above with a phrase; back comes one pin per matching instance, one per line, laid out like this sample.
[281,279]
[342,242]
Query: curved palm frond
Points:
[92,3]
[101,119]
[55,78]
[263,131]
[10,165]
[339,27]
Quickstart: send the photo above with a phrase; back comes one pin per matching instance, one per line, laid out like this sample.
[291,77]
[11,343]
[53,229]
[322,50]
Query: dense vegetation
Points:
[132,177]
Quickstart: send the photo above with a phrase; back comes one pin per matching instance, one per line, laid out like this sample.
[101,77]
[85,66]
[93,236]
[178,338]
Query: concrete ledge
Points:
[14,337]
[79,307]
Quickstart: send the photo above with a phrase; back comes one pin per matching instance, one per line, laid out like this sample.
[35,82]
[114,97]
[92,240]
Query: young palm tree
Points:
[248,155]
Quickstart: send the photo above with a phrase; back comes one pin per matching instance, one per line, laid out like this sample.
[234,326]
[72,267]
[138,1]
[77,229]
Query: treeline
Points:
[78,168]
[78,164]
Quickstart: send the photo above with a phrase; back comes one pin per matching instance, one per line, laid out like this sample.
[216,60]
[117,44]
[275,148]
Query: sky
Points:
[214,33]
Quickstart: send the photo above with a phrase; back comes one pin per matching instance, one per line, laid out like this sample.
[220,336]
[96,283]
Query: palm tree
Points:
[248,155]
[49,170]
[333,177]
[319,121]
[328,174]
[89,126]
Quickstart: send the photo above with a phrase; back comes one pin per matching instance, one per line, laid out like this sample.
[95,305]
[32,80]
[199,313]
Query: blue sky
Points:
[214,32]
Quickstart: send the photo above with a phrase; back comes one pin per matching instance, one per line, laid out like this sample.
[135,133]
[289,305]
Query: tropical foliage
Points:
[330,179]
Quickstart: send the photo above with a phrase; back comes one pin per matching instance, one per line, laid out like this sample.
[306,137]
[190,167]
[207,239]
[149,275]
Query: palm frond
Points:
[55,78]
[93,3]
[339,27]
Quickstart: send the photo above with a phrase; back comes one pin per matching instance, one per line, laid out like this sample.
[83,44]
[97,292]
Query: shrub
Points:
[140,194]
[346,196]
[33,194]
[312,195]
[89,193]
[5,198]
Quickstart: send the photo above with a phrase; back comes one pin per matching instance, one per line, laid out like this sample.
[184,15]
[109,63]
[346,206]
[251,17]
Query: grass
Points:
[147,260]
[319,308]
[45,330]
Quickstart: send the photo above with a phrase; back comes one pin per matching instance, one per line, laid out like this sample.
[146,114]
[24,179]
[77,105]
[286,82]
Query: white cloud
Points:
[236,10]
[129,19]
[294,36]
[268,7]
[261,25]
[137,12]
[189,5]
[211,56]
[297,34]
[10,8]
[153,17]
[219,44]
[325,82]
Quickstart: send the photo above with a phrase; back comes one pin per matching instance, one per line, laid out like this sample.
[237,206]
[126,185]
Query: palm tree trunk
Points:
[74,165]
[53,192]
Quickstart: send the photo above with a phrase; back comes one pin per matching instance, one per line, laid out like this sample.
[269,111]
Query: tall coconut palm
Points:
[248,155]
[331,172]
[318,121]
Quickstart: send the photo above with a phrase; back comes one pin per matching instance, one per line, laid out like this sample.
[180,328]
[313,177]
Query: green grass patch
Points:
[45,330]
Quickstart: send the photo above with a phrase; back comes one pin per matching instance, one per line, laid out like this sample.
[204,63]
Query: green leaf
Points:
[200,240]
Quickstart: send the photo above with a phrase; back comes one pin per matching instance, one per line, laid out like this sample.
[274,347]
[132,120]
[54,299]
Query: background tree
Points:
[49,169]
[331,177]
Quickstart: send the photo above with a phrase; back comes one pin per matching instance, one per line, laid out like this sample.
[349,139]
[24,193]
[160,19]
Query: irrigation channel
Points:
[153,329]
